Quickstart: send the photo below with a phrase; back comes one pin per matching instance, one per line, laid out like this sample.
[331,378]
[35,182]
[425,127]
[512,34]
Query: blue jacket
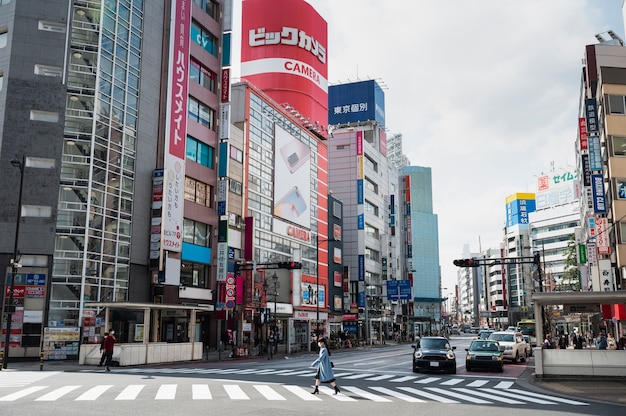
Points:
[323,363]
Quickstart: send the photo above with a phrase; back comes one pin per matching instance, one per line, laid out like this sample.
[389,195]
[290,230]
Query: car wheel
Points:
[468,368]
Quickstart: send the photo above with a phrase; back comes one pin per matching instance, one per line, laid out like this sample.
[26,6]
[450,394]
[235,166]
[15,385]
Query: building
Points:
[75,96]
[421,234]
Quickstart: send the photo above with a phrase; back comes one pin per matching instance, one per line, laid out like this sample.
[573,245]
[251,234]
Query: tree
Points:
[571,274]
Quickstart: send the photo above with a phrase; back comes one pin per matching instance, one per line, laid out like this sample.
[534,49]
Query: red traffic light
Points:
[466,263]
[289,265]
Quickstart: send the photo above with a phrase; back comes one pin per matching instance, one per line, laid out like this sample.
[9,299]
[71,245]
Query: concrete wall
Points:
[585,362]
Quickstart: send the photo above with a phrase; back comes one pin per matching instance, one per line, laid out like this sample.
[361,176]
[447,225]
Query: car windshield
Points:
[434,344]
[484,346]
[502,337]
[484,334]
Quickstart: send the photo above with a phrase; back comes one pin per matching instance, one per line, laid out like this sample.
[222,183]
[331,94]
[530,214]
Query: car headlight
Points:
[418,354]
[497,358]
[508,347]
[450,355]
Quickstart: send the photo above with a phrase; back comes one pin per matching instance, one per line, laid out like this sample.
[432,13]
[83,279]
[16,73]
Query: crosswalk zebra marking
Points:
[56,394]
[340,397]
[200,392]
[366,394]
[268,392]
[301,393]
[403,379]
[515,396]
[22,393]
[428,395]
[130,392]
[487,396]
[94,392]
[427,380]
[23,378]
[398,395]
[458,396]
[235,392]
[477,383]
[504,385]
[543,396]
[357,376]
[166,392]
[378,378]
[453,382]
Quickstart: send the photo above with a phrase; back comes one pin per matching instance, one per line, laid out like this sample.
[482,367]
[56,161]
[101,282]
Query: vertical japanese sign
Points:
[176,125]
[582,131]
[591,112]
[602,236]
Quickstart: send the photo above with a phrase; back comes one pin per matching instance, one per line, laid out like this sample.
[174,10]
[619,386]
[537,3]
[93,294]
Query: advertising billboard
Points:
[292,179]
[518,206]
[284,53]
[356,102]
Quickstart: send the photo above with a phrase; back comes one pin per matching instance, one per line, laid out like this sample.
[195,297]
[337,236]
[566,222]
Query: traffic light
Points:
[289,265]
[466,263]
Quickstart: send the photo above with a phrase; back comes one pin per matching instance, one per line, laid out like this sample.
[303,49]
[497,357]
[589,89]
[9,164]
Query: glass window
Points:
[616,104]
[204,38]
[620,185]
[618,144]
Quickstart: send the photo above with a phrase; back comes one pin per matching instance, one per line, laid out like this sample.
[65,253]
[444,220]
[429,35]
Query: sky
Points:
[484,92]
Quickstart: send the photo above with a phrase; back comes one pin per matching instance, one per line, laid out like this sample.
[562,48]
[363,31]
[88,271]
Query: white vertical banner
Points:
[222,261]
[176,125]
[607,279]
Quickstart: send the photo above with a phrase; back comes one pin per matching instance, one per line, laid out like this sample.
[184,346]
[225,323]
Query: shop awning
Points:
[350,317]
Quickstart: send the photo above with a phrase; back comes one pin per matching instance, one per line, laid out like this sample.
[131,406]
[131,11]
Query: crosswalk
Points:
[497,395]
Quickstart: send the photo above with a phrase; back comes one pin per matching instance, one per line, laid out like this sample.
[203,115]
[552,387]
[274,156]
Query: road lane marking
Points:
[21,393]
[94,392]
[56,394]
[516,396]
[399,395]
[340,397]
[427,380]
[200,392]
[403,379]
[458,396]
[554,398]
[366,394]
[504,385]
[356,376]
[477,383]
[301,393]
[268,392]
[130,392]
[378,378]
[428,395]
[166,392]
[488,396]
[235,392]
[453,382]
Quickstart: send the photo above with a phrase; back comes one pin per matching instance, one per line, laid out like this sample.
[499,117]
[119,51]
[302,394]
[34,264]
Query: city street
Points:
[373,381]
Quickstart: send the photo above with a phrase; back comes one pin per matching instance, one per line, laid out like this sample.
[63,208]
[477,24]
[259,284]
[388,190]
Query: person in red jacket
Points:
[109,343]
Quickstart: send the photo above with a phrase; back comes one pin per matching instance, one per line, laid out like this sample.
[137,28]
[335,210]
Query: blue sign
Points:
[359,191]
[356,102]
[591,113]
[399,290]
[595,153]
[597,188]
[360,222]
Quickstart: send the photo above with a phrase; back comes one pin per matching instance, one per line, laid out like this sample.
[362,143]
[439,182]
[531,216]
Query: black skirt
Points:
[317,377]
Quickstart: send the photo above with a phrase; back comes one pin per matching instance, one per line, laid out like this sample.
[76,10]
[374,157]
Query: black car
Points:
[484,354]
[434,354]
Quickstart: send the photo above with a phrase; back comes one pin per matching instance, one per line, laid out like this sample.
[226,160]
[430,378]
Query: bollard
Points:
[41,361]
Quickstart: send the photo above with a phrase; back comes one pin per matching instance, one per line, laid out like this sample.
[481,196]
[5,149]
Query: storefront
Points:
[302,330]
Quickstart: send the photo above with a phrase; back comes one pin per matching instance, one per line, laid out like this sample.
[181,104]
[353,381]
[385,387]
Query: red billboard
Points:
[284,53]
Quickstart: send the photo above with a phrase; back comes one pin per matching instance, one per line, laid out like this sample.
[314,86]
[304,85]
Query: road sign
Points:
[399,290]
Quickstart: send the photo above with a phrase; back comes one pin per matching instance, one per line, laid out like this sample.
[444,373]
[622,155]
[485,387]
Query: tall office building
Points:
[98,87]
[422,247]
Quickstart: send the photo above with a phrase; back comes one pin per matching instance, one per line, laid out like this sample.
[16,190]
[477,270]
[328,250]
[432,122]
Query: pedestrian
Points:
[611,343]
[601,342]
[324,368]
[577,340]
[547,343]
[109,343]
[621,344]
[102,356]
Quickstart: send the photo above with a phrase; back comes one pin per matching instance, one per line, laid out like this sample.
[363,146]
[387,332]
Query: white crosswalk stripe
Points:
[453,382]
[23,378]
[280,392]
[378,378]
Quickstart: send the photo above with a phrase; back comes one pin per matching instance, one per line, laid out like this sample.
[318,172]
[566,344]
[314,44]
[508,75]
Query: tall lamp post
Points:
[10,307]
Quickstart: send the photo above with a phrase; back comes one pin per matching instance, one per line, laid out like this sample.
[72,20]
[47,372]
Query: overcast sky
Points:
[484,92]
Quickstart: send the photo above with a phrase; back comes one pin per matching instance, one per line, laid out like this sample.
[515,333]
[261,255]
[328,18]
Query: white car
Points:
[513,343]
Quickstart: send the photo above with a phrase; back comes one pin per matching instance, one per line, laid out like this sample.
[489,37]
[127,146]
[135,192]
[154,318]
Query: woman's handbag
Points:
[332,364]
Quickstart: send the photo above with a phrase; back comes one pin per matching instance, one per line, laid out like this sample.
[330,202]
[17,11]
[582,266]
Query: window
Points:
[622,232]
[618,144]
[200,113]
[4,36]
[46,116]
[195,275]
[235,186]
[336,209]
[371,186]
[51,26]
[48,71]
[372,254]
[203,76]
[371,164]
[210,7]
[198,192]
[371,231]
[236,154]
[371,208]
[199,152]
[616,104]
[204,38]
[196,233]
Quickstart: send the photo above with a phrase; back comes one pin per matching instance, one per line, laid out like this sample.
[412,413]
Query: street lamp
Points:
[10,307]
